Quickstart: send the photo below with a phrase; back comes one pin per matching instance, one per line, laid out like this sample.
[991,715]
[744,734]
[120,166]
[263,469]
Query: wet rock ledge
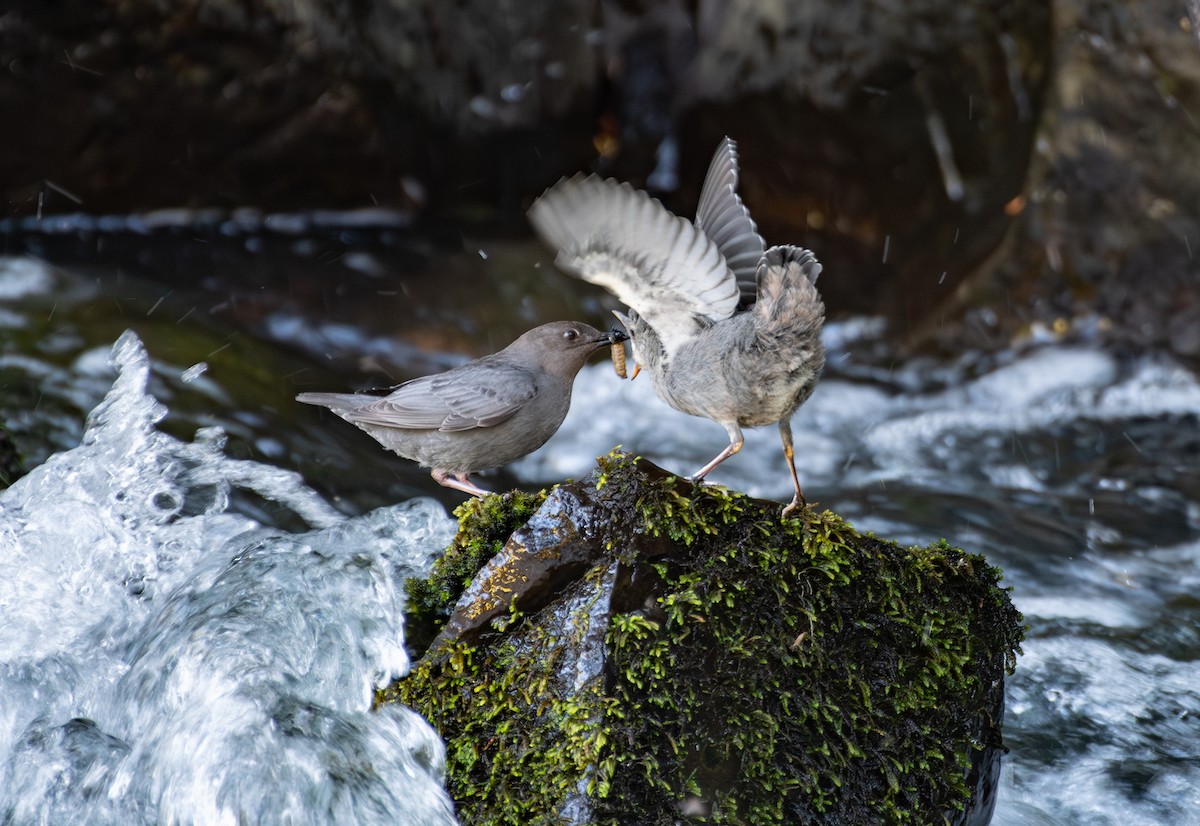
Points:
[633,649]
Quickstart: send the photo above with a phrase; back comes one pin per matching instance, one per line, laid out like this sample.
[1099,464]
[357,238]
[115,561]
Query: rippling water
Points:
[193,632]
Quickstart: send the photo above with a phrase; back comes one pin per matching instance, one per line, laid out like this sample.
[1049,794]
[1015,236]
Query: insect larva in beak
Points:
[618,359]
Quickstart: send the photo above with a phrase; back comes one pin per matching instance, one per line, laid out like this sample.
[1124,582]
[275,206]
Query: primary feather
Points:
[723,217]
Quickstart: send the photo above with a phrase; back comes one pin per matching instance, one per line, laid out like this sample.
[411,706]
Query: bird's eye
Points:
[570,335]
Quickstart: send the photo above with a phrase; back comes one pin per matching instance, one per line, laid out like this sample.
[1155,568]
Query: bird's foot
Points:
[458,481]
[798,501]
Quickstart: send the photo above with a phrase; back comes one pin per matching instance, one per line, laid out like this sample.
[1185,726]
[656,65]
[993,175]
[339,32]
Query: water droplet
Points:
[194,372]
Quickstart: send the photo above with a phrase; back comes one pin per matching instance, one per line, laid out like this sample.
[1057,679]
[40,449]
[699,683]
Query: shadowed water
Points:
[193,635]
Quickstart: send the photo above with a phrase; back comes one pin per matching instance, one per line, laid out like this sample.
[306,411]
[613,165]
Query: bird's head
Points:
[563,347]
[647,348]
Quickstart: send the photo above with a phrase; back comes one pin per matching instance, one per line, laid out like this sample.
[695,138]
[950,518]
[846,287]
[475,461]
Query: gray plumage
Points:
[727,330]
[482,414]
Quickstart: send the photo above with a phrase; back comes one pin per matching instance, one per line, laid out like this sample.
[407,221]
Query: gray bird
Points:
[482,414]
[727,331]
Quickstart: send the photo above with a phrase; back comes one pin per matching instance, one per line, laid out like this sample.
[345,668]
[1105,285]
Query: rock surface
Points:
[642,649]
[875,133]
[1107,240]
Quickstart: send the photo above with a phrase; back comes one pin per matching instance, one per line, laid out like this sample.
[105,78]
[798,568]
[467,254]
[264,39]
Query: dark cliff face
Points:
[973,172]
[642,647]
[886,137]
[130,105]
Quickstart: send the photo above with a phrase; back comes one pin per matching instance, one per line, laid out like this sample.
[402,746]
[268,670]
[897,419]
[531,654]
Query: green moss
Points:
[484,525]
[524,740]
[786,671]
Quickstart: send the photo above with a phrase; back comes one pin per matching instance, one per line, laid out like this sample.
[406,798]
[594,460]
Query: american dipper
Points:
[482,414]
[728,331]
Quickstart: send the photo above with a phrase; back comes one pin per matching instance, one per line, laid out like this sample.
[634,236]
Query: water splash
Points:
[165,659]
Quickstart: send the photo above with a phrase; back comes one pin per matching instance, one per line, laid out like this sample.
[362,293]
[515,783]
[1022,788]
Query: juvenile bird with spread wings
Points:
[728,330]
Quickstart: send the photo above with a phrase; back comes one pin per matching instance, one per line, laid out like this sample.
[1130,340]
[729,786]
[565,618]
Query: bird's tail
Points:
[788,302]
[337,401]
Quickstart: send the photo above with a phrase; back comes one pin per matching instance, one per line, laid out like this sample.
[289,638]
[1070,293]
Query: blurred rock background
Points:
[974,171]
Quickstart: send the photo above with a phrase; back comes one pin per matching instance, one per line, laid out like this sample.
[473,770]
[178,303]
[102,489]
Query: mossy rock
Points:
[645,651]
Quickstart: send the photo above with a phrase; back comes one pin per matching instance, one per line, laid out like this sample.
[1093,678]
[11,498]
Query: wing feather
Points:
[723,217]
[479,394]
[661,265]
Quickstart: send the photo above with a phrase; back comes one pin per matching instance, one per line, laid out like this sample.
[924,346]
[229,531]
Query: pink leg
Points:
[735,444]
[458,481]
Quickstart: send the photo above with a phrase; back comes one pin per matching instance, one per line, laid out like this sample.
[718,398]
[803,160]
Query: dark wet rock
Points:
[642,649]
[863,124]
[10,460]
[887,137]
[972,171]
[1106,245]
[130,105]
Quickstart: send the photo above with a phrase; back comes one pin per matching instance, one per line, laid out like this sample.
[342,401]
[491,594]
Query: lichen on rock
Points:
[703,658]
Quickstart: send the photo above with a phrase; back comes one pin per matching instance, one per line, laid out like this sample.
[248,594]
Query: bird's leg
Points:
[785,433]
[458,481]
[735,444]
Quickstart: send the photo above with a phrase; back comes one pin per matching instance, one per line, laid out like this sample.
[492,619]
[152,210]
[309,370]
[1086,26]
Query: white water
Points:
[853,433]
[163,659]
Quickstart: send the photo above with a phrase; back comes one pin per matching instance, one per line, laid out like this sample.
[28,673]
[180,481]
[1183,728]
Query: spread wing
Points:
[479,394]
[620,238]
[723,217]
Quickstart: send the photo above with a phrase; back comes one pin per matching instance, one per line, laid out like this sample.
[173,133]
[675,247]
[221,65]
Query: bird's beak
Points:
[613,336]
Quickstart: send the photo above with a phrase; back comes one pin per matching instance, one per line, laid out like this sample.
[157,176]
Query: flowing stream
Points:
[199,580]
